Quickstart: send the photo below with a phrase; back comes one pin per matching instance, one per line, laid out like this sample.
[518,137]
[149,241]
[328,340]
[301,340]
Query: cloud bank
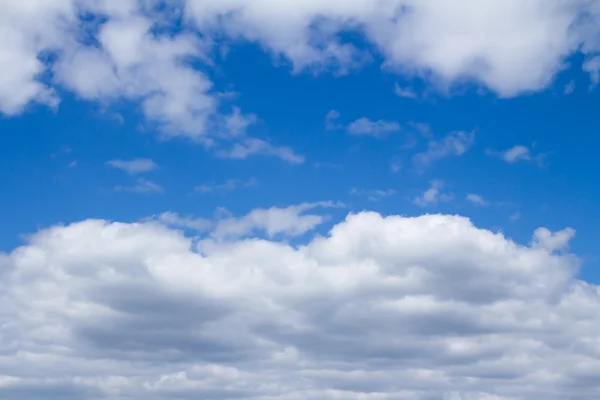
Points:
[380,308]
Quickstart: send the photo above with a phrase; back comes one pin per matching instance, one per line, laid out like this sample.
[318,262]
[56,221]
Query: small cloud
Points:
[134,167]
[366,127]
[254,146]
[227,186]
[433,195]
[515,217]
[452,145]
[373,195]
[552,241]
[141,186]
[517,154]
[476,199]
[72,164]
[331,119]
[395,165]
[404,92]
[197,224]
[569,88]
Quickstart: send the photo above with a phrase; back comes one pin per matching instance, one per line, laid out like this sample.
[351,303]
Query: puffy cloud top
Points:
[381,308]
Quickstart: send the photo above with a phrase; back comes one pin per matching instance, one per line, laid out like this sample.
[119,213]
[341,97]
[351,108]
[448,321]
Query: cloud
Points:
[381,308]
[141,186]
[515,217]
[289,221]
[518,153]
[254,146]
[331,119]
[373,195]
[476,199]
[452,145]
[433,195]
[227,186]
[366,127]
[592,67]
[508,47]
[405,92]
[134,167]
[552,241]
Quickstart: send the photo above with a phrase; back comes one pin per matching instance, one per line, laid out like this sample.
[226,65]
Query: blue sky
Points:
[299,200]
[54,162]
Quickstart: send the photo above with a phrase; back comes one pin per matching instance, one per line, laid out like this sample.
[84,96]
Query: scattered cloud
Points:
[433,195]
[134,167]
[452,145]
[476,199]
[331,121]
[518,153]
[404,92]
[227,186]
[254,146]
[288,221]
[515,217]
[366,127]
[373,195]
[141,186]
[592,67]
[378,307]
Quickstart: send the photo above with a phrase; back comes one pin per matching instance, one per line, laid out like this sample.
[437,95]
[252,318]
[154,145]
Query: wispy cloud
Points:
[141,186]
[134,167]
[362,126]
[373,195]
[452,145]
[517,154]
[254,146]
[405,92]
[477,199]
[227,186]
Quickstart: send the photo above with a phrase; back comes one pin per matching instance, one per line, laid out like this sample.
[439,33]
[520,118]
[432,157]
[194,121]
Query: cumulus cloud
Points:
[509,47]
[135,166]
[380,308]
[453,144]
[433,195]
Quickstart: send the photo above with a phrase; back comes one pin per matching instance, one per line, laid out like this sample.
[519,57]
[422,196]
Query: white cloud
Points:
[551,241]
[289,221]
[405,92]
[518,153]
[592,67]
[477,199]
[141,186]
[452,145]
[254,146]
[373,195]
[366,127]
[381,308]
[510,47]
[134,167]
[515,216]
[433,195]
[227,186]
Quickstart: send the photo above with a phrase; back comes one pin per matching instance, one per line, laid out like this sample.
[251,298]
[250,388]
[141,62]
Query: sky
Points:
[298,200]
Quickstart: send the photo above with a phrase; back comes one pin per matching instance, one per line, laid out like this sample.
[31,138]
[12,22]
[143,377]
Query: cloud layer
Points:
[382,308]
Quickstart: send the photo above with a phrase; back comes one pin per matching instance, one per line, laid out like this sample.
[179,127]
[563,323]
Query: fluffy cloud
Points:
[104,50]
[433,195]
[381,308]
